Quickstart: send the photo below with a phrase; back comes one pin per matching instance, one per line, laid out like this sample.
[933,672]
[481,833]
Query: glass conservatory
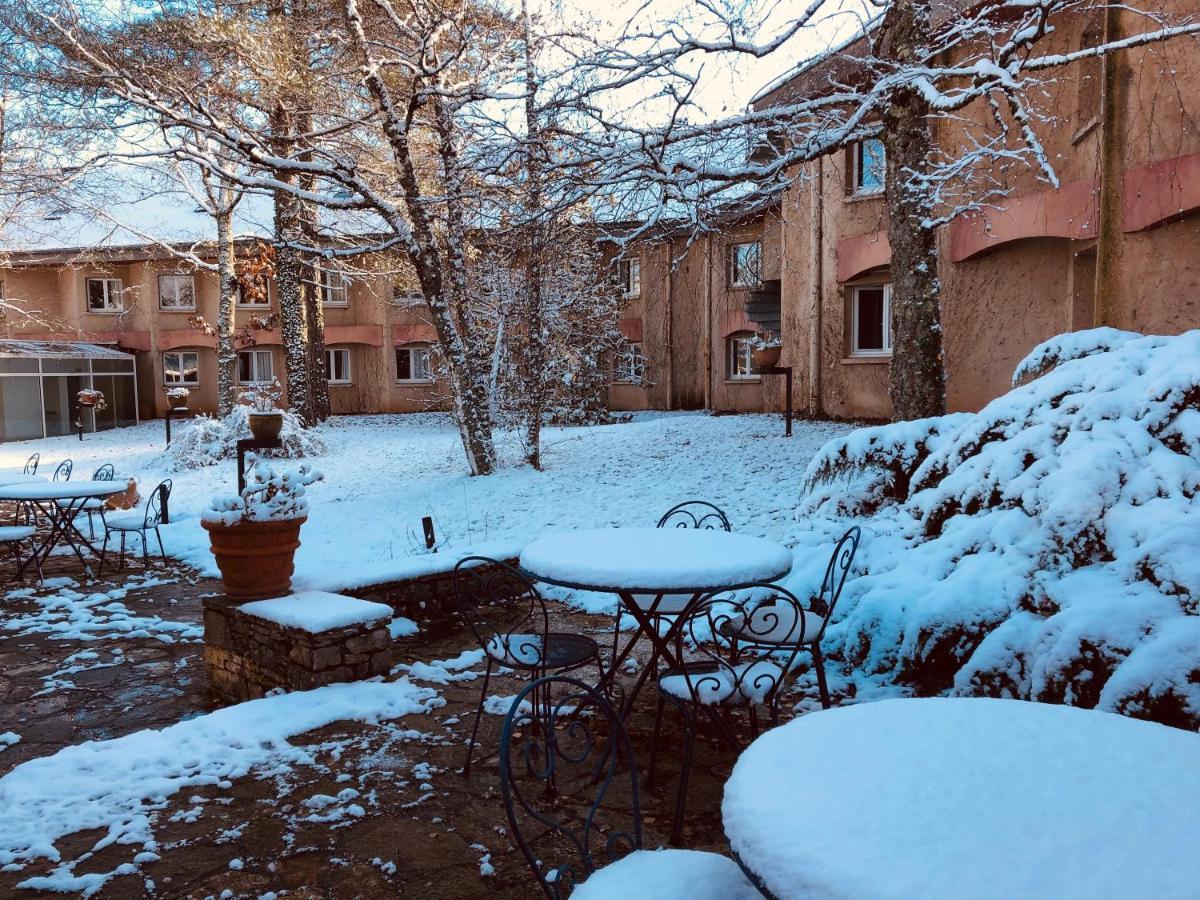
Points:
[40,381]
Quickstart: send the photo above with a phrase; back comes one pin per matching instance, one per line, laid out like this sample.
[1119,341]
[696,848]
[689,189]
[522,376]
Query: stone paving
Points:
[364,818]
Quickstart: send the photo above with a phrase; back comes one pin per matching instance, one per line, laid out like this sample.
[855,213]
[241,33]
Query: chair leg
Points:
[685,774]
[145,549]
[37,562]
[121,564]
[487,674]
[658,718]
[103,553]
[161,550]
[822,685]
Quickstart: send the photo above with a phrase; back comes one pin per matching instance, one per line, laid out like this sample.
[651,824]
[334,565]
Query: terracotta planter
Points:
[179,403]
[127,500]
[255,558]
[765,357]
[266,426]
[87,402]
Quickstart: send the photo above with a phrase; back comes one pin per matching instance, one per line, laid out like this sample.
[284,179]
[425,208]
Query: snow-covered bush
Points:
[270,495]
[1043,548]
[207,441]
[262,397]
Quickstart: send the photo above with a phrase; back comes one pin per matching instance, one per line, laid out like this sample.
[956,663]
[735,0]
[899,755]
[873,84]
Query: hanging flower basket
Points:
[91,399]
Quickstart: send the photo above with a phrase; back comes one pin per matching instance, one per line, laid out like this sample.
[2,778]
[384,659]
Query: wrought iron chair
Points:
[62,472]
[96,506]
[525,642]
[695,514]
[569,782]
[31,464]
[141,524]
[24,511]
[13,536]
[746,646]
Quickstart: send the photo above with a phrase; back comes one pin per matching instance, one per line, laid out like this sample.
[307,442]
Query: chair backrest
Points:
[569,782]
[695,514]
[106,472]
[835,573]
[154,504]
[31,464]
[63,471]
[503,610]
[746,643]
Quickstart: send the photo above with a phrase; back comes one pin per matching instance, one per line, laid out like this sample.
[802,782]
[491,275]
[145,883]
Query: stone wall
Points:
[427,599]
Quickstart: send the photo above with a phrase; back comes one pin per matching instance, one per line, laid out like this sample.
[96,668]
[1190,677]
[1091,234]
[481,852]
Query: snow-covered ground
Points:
[384,473]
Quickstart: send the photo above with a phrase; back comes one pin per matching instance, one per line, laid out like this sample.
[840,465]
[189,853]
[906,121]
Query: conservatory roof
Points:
[59,350]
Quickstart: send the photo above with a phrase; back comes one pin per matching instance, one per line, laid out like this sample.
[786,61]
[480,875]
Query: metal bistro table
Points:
[60,502]
[658,573]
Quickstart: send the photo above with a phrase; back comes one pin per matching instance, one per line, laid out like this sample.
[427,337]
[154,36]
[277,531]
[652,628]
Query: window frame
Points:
[180,275]
[733,275]
[327,288]
[331,369]
[732,343]
[412,348]
[239,301]
[181,367]
[631,276]
[857,169]
[109,309]
[855,290]
[629,366]
[256,354]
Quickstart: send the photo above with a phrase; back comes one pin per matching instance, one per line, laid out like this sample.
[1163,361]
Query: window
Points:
[737,356]
[253,292]
[869,165]
[871,320]
[630,367]
[181,367]
[255,366]
[337,365]
[744,266]
[404,294]
[104,295]
[334,287]
[176,292]
[631,276]
[412,363]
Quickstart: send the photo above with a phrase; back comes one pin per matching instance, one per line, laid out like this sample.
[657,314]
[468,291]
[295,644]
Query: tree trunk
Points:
[917,378]
[318,375]
[534,344]
[226,354]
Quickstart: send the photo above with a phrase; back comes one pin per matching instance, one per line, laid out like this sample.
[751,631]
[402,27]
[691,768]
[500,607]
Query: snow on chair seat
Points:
[16,533]
[747,682]
[669,875]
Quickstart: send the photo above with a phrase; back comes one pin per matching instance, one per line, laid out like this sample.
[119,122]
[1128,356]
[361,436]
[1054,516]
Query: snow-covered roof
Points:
[59,350]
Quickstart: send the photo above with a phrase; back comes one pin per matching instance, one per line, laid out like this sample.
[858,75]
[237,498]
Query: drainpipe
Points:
[708,324]
[816,278]
[1111,204]
[670,327]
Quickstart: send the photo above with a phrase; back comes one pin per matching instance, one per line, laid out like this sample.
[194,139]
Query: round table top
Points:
[21,478]
[61,490]
[654,560]
[970,798]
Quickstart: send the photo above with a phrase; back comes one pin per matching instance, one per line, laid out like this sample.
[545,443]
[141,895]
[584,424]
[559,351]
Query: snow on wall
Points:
[1042,548]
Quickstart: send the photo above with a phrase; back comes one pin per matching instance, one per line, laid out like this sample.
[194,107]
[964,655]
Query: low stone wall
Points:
[426,599]
[248,656]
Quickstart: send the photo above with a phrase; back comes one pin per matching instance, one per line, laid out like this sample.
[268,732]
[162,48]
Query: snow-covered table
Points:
[658,573]
[60,502]
[970,798]
[14,477]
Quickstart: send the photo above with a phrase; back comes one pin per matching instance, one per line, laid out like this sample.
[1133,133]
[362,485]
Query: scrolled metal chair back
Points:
[63,471]
[836,572]
[31,464]
[483,585]
[695,514]
[106,472]
[154,504]
[568,766]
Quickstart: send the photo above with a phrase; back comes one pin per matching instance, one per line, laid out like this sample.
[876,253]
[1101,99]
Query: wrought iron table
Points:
[658,574]
[60,502]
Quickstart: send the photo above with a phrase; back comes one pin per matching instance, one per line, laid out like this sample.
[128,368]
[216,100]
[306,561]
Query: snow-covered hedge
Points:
[1044,548]
[206,441]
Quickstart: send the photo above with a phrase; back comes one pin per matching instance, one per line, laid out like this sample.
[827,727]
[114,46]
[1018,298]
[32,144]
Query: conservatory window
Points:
[181,367]
[737,356]
[337,365]
[871,320]
[104,295]
[176,292]
[412,363]
[869,165]
[255,366]
[744,264]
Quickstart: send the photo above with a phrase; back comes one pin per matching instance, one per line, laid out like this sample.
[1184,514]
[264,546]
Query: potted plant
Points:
[255,535]
[765,349]
[266,419]
[178,397]
[91,399]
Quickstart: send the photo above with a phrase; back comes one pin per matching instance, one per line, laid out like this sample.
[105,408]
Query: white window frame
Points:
[333,283]
[858,152]
[240,299]
[407,296]
[256,375]
[631,276]
[191,280]
[737,349]
[734,275]
[630,364]
[114,300]
[887,319]
[412,350]
[181,367]
[331,368]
